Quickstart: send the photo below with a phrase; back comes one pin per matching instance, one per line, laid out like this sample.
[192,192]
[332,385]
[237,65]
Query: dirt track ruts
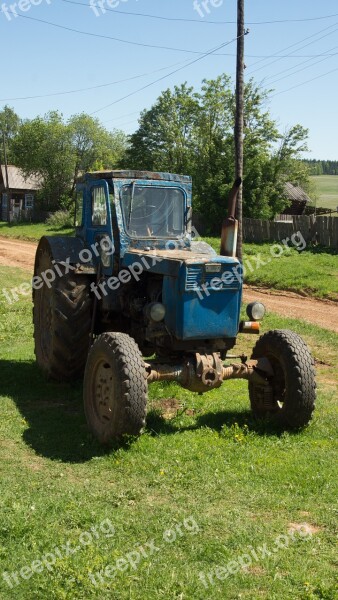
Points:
[18,253]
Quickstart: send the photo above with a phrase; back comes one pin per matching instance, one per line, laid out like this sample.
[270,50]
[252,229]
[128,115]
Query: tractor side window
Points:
[99,206]
[79,209]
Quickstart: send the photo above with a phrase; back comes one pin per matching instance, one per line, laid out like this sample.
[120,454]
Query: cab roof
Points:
[147,175]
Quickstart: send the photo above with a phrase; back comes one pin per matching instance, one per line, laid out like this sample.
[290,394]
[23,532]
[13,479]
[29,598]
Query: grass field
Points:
[327,189]
[30,231]
[203,487]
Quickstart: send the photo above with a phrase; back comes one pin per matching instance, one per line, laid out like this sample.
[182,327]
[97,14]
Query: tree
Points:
[43,148]
[191,132]
[9,126]
[57,152]
[94,147]
[165,138]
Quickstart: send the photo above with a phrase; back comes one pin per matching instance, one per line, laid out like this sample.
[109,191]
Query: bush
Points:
[61,219]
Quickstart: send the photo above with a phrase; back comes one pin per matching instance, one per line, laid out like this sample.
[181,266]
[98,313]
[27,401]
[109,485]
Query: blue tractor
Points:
[133,283]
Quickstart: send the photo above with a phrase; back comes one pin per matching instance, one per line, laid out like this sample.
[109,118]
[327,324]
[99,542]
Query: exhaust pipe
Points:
[230,224]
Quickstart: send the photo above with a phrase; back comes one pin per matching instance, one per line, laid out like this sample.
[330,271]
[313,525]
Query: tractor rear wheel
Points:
[291,395]
[62,321]
[115,388]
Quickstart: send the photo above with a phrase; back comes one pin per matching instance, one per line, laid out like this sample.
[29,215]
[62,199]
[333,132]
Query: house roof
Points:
[17,181]
[296,193]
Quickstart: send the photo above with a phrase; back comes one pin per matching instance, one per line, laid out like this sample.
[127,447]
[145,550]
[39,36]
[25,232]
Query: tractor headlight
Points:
[156,312]
[256,311]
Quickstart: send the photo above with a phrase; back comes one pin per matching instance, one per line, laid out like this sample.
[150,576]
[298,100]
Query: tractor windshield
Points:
[153,211]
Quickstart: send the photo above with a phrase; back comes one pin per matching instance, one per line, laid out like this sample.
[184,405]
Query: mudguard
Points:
[69,250]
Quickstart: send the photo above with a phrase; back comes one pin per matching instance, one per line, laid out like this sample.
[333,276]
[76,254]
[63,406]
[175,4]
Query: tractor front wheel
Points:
[115,388]
[291,395]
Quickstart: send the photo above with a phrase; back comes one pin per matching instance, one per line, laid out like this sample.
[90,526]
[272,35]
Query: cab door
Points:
[99,233]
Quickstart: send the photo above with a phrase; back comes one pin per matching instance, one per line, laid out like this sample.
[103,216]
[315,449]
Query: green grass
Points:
[327,190]
[313,272]
[30,231]
[202,458]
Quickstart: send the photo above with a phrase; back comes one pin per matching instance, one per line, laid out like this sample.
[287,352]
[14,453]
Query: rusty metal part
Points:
[162,372]
[209,369]
[201,373]
[264,398]
[230,225]
[118,174]
[253,370]
[232,201]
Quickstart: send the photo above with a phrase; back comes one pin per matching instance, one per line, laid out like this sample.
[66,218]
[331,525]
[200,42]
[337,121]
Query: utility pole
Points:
[239,124]
[6,172]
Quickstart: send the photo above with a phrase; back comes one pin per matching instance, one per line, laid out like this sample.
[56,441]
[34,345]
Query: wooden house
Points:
[17,194]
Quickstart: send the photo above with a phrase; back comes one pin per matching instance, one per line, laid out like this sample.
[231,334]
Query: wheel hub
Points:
[103,392]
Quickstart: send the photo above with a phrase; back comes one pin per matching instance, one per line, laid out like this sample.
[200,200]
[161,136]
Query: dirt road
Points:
[16,253]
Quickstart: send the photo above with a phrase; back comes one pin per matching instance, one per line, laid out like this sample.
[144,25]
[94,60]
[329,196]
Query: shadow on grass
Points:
[56,423]
[158,425]
[54,413]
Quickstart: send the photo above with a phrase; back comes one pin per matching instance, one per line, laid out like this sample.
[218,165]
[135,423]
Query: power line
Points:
[125,124]
[110,83]
[299,70]
[292,46]
[142,44]
[166,76]
[131,42]
[122,116]
[203,21]
[115,39]
[94,87]
[304,82]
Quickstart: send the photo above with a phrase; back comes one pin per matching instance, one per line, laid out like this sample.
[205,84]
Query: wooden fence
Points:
[321,230]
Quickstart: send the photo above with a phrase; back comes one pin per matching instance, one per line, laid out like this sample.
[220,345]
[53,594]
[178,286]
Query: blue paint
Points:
[202,293]
[203,311]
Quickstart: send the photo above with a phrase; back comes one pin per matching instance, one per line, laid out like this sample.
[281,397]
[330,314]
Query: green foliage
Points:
[59,151]
[321,167]
[192,132]
[61,219]
[9,126]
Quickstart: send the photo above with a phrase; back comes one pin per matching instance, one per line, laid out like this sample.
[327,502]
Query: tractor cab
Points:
[135,208]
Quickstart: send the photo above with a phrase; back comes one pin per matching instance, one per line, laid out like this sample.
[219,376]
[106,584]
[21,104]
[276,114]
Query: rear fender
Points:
[68,250]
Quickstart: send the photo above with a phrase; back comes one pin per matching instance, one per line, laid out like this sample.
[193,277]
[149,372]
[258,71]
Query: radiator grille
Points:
[197,279]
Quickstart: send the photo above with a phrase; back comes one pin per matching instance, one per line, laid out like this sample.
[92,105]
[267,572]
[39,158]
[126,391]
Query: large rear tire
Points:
[115,388]
[62,321]
[291,396]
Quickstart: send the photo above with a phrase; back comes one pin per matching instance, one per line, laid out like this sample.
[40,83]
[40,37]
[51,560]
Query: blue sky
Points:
[41,59]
